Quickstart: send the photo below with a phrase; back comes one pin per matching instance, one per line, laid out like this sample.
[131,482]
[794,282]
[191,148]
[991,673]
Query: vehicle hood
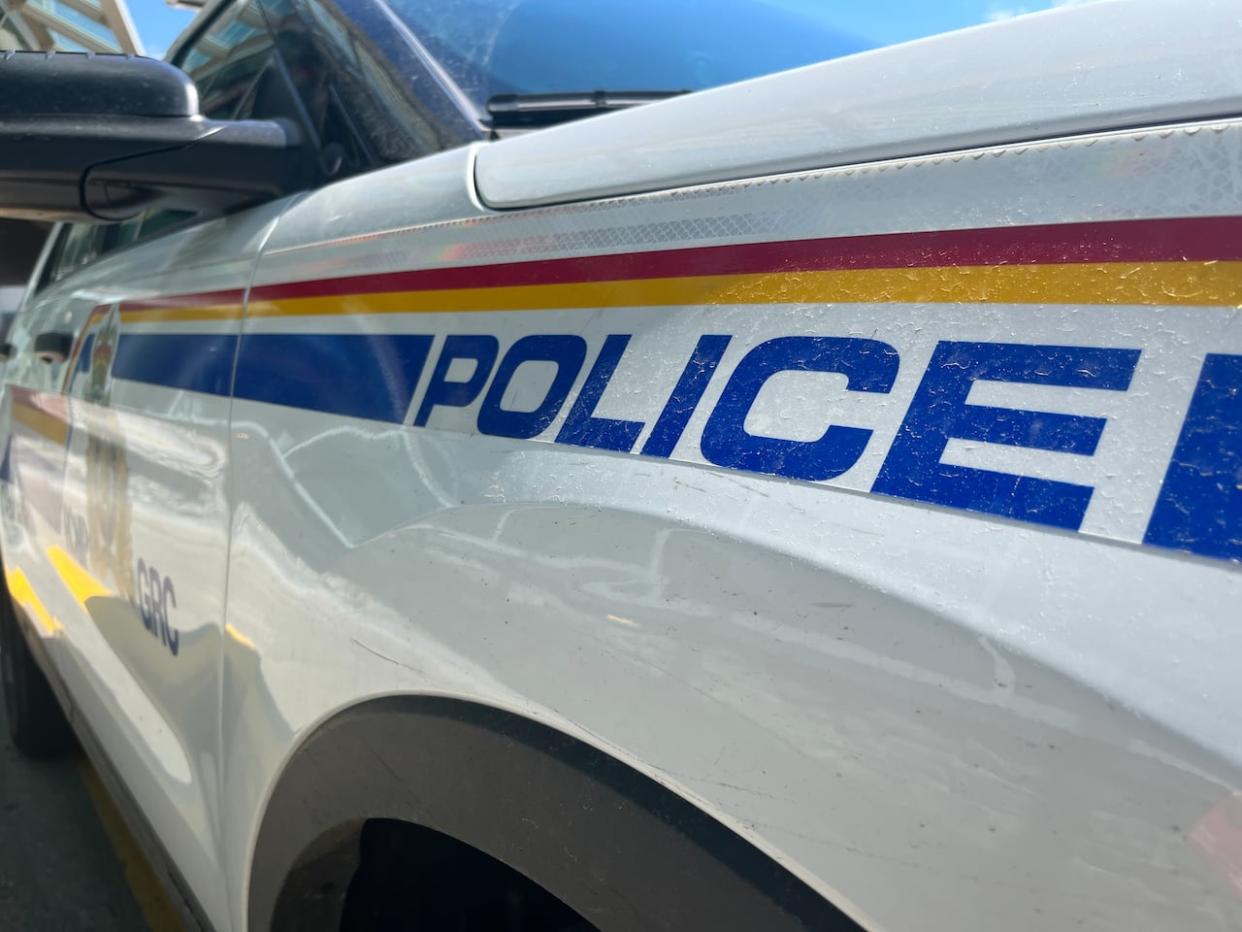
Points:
[1110,65]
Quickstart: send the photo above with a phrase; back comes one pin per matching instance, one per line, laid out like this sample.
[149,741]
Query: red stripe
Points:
[1199,239]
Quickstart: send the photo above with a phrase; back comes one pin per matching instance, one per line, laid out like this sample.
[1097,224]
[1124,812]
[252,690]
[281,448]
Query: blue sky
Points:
[158,23]
[882,21]
[886,22]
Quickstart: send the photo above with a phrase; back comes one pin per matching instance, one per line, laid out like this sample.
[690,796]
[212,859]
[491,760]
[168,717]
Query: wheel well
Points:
[469,784]
[390,874]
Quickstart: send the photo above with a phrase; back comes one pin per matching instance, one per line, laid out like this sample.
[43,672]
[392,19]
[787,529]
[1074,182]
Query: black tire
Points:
[37,724]
[411,877]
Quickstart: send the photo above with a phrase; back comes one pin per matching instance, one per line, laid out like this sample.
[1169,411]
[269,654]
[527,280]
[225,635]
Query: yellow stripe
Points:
[77,578]
[238,637]
[24,595]
[1149,284]
[162,314]
[42,423]
[148,892]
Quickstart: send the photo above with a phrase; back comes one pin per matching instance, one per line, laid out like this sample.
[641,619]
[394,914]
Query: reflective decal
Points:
[613,384]
[583,428]
[369,376]
[444,391]
[566,352]
[1200,504]
[868,365]
[686,396]
[939,413]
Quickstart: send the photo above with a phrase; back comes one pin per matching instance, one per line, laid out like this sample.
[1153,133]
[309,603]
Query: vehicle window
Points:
[77,245]
[560,46]
[80,244]
[146,225]
[126,232]
[313,69]
[226,61]
[362,117]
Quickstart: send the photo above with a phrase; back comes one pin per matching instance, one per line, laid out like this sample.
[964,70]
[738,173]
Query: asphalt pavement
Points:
[66,859]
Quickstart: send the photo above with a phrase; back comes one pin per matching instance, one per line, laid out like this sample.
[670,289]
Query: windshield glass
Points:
[494,47]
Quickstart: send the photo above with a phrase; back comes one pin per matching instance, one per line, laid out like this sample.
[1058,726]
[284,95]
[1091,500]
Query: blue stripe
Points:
[368,376]
[197,362]
[84,355]
[84,363]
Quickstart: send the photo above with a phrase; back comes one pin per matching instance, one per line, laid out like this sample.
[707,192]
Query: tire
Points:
[37,724]
[504,824]
[411,877]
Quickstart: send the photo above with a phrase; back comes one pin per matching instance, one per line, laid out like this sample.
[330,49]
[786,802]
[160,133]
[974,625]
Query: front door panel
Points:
[130,563]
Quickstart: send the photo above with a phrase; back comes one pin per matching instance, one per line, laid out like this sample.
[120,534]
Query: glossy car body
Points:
[855,460]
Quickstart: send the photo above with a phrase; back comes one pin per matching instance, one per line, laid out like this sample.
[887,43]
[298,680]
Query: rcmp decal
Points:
[156,598]
[108,519]
[1198,507]
[1107,294]
[99,563]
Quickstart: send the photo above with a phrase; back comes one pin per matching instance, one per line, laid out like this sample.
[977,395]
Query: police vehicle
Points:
[809,502]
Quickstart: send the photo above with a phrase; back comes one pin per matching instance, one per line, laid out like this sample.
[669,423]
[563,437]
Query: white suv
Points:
[812,502]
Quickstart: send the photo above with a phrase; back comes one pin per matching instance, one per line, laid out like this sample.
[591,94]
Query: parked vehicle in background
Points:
[808,502]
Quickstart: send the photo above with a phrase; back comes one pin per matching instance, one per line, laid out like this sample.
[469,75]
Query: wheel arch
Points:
[620,848]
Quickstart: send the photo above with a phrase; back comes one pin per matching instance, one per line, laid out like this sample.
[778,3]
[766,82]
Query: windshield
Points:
[493,47]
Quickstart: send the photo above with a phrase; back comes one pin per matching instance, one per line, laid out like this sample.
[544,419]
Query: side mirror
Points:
[96,138]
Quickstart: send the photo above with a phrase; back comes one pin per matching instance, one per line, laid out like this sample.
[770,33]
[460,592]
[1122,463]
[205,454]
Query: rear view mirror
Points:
[87,137]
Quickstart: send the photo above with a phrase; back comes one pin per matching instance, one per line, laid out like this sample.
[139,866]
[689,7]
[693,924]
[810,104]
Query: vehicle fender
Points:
[618,847]
[848,723]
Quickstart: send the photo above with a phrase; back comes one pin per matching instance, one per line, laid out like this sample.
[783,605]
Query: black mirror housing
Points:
[99,138]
